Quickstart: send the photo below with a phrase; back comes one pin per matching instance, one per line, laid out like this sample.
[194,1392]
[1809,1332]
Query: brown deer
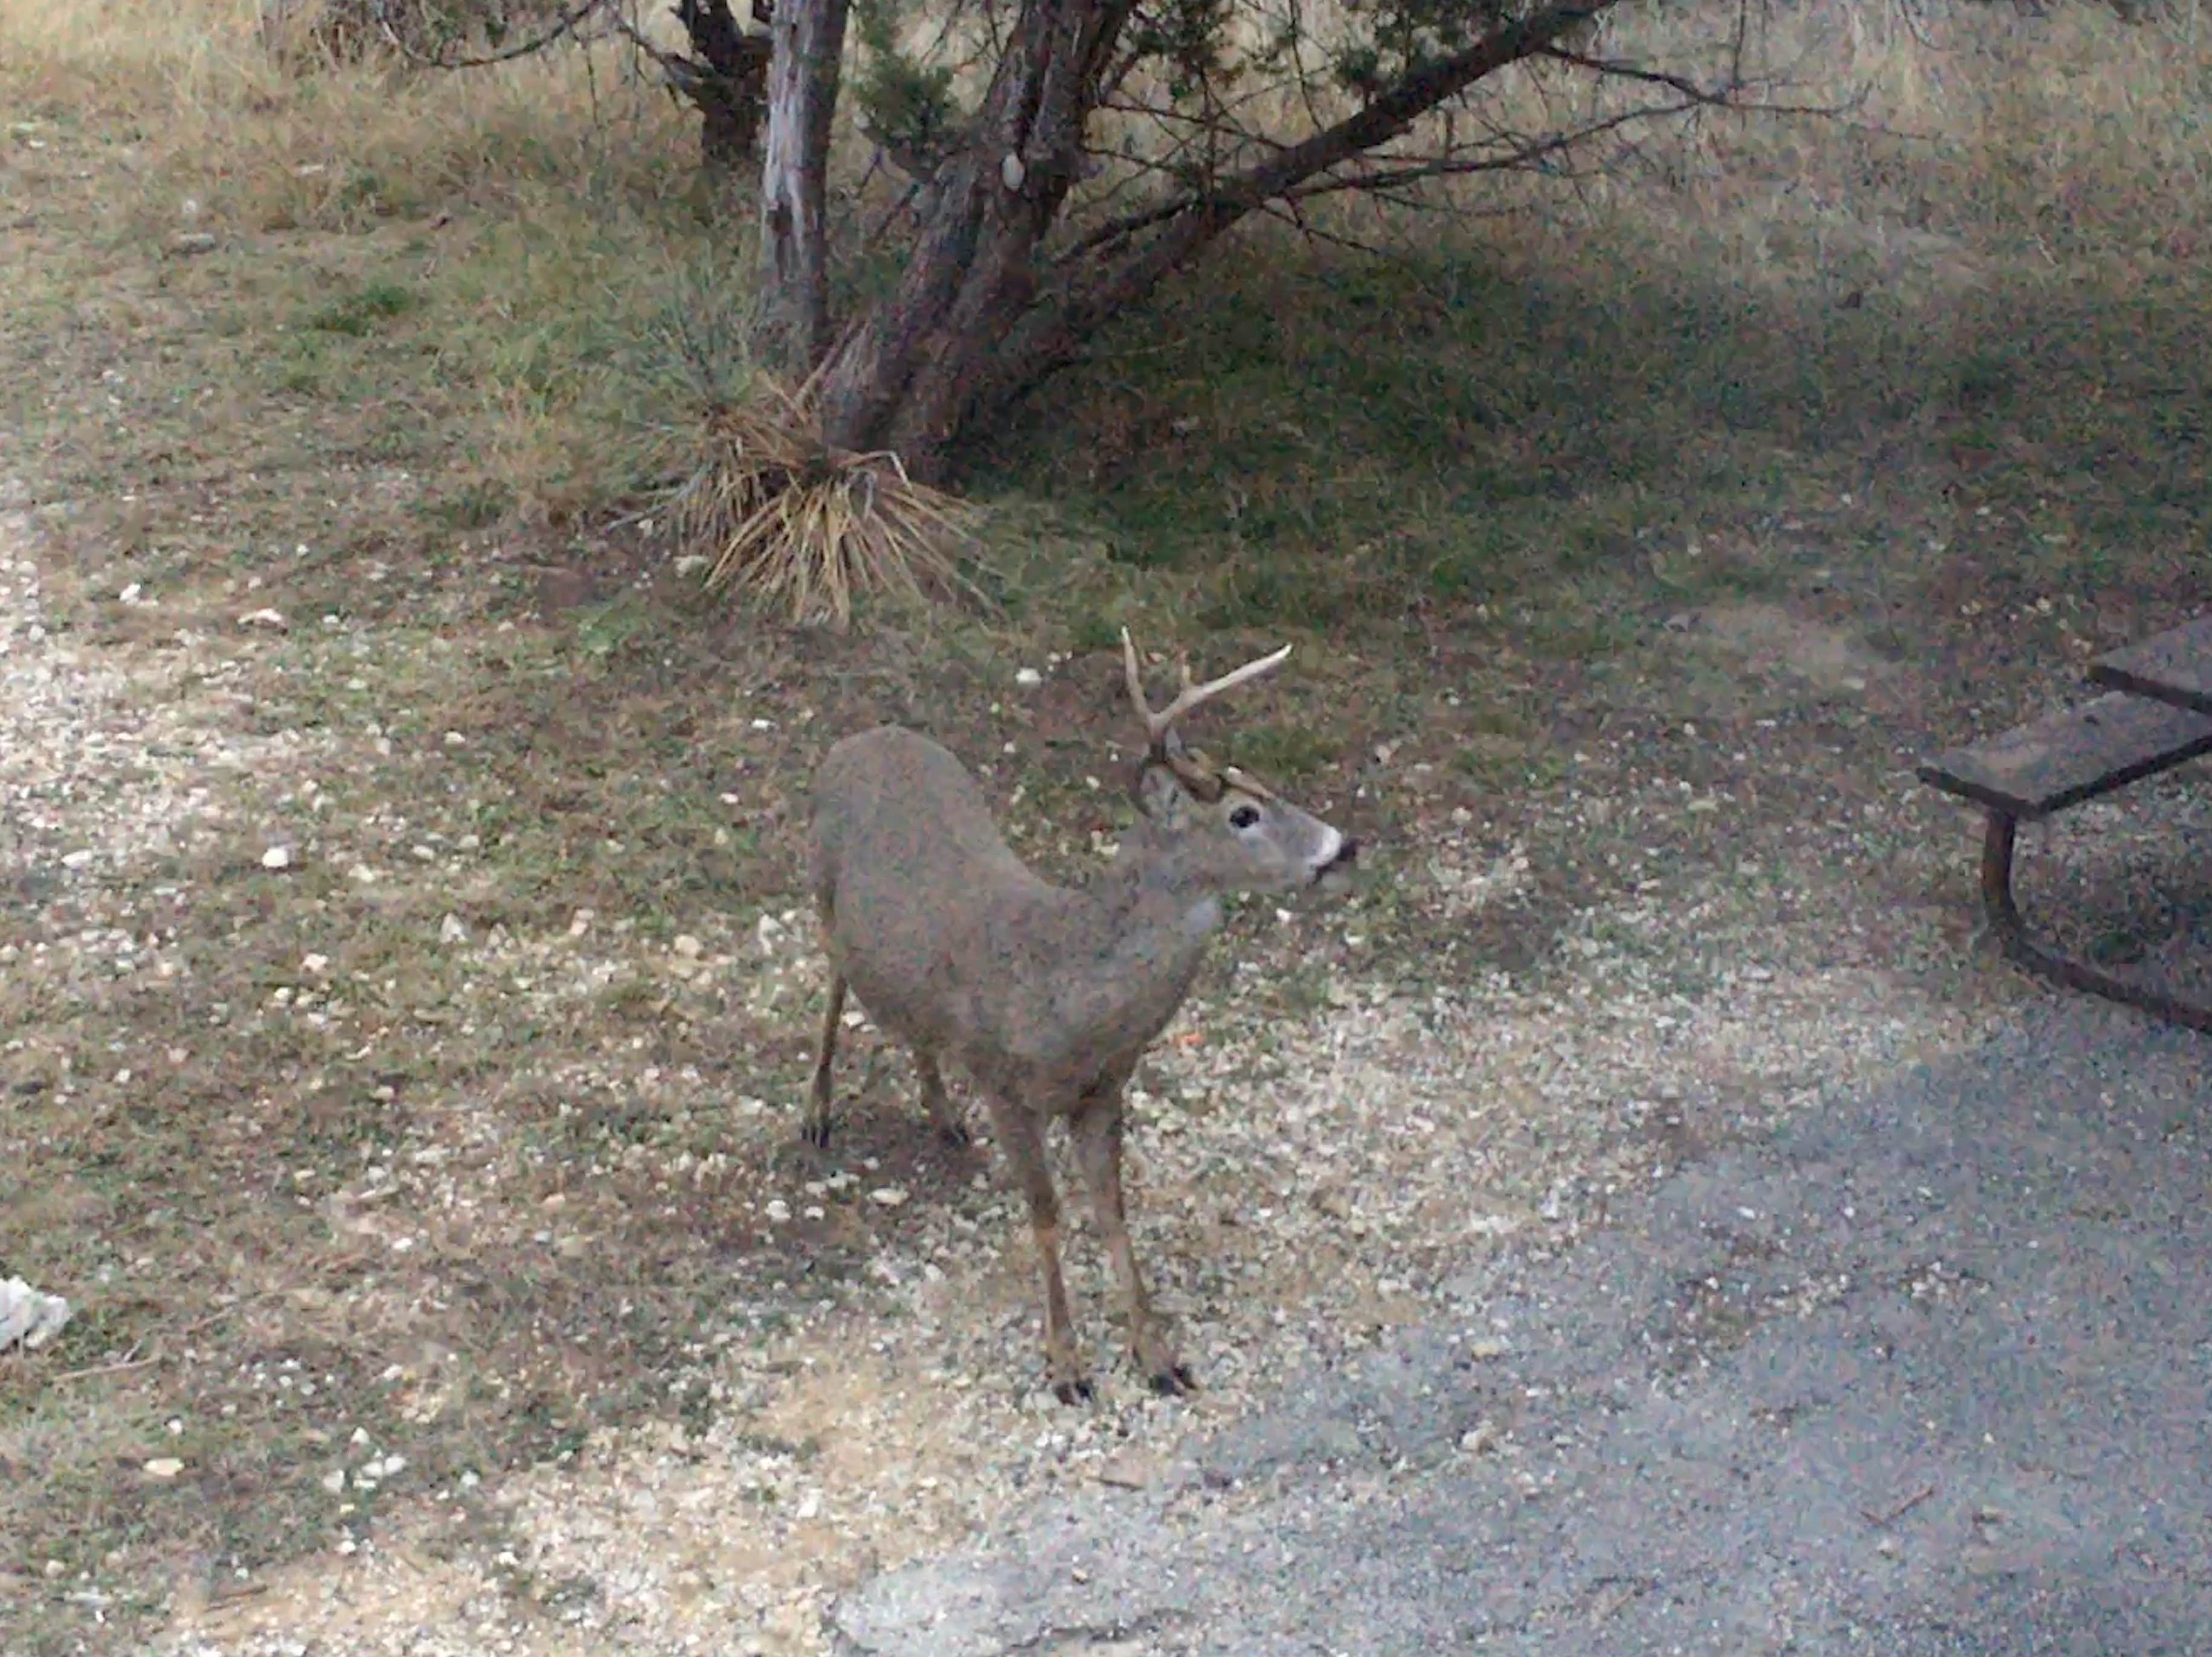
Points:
[1046,995]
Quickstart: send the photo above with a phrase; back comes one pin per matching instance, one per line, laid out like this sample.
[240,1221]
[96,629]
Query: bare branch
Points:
[1693,94]
[566,25]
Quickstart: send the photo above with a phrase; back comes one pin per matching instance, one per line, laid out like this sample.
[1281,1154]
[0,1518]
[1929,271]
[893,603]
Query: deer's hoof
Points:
[816,1133]
[955,1136]
[1173,1380]
[1073,1392]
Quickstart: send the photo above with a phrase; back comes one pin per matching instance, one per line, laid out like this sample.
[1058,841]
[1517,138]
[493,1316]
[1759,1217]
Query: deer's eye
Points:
[1244,817]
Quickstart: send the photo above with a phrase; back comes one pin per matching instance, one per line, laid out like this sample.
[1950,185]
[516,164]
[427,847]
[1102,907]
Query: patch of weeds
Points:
[1090,631]
[363,189]
[357,314]
[474,503]
[611,629]
[633,1000]
[1300,991]
[1984,379]
[1282,753]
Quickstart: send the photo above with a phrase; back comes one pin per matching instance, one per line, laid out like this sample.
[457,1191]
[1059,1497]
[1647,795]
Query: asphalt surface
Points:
[1929,1373]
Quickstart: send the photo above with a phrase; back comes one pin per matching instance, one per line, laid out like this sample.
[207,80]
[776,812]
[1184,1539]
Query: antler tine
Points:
[1134,672]
[1158,724]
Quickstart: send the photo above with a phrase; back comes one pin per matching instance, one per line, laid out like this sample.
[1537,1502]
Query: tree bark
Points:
[907,376]
[803,72]
[725,78]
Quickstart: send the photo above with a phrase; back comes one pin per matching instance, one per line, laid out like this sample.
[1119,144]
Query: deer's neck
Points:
[1150,919]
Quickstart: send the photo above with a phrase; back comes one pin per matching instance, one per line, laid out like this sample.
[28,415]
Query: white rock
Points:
[890,1196]
[276,857]
[450,930]
[29,1316]
[164,1466]
[1028,678]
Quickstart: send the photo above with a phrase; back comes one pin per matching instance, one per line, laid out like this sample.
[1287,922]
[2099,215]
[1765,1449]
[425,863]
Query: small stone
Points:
[687,946]
[267,618]
[131,594]
[314,964]
[80,859]
[164,1466]
[778,1210]
[1028,678]
[334,1481]
[1478,1438]
[1488,1346]
[890,1196]
[450,930]
[1132,1470]
[276,857]
[192,242]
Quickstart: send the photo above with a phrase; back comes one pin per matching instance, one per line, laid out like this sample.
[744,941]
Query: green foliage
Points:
[906,105]
[1401,36]
[358,312]
[1187,37]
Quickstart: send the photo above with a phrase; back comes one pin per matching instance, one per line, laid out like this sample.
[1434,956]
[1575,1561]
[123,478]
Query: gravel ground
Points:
[1302,1185]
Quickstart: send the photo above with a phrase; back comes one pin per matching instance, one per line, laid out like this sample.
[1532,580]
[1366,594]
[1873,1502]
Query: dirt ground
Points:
[405,997]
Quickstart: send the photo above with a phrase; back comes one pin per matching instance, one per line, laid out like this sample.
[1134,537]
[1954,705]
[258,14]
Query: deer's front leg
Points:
[1097,1128]
[1021,1136]
[816,1129]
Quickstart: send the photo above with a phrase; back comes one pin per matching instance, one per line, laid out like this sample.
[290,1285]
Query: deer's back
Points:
[911,874]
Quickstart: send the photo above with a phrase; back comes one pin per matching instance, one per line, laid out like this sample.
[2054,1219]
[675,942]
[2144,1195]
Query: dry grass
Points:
[792,524]
[215,116]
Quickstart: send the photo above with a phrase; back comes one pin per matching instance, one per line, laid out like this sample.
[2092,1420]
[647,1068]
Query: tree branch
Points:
[565,25]
[1184,226]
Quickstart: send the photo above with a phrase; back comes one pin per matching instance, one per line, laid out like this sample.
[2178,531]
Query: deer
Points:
[1045,996]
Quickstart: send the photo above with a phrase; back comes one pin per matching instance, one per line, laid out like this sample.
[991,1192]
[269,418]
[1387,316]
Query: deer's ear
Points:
[1162,796]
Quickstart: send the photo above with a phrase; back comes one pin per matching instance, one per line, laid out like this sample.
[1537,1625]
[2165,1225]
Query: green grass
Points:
[358,314]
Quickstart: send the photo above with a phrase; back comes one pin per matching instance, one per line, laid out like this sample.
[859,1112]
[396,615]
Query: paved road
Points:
[1932,1375]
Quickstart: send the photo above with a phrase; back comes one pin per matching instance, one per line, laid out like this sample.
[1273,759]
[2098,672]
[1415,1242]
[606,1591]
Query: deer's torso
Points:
[1042,992]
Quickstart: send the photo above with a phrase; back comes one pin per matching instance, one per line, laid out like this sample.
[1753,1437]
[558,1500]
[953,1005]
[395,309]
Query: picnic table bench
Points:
[2156,713]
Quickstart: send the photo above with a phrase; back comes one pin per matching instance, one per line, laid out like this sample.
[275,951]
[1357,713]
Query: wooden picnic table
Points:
[2156,713]
[2173,667]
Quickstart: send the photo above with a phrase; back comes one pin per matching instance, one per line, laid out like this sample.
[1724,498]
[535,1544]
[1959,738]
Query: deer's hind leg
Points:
[817,1127]
[942,1111]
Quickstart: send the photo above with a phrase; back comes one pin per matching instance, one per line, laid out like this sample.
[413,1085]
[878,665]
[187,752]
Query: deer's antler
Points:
[1157,725]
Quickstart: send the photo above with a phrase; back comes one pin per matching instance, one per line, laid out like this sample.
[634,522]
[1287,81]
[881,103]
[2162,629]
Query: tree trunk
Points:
[907,376]
[809,37]
[725,78]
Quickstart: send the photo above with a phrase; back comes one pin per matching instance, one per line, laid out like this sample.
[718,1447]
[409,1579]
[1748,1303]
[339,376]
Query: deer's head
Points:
[1227,825]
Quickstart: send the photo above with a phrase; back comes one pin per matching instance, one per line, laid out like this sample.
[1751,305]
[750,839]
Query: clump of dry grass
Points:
[265,140]
[795,524]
